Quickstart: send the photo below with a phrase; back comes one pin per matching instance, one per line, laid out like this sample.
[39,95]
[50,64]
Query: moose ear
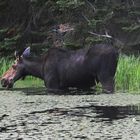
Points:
[26,52]
[16,54]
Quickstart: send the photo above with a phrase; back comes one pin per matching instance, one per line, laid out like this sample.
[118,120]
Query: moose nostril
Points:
[8,83]
[3,82]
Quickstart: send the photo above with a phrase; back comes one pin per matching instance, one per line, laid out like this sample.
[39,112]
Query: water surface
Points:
[30,114]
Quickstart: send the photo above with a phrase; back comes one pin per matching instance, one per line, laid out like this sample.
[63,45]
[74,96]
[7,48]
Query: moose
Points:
[62,68]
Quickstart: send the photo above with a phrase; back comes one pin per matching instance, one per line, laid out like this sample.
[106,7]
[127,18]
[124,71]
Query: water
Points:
[31,114]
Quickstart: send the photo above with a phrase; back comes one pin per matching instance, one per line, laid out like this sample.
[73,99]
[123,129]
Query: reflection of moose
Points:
[61,68]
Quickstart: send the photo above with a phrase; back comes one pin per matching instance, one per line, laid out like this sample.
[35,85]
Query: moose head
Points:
[16,71]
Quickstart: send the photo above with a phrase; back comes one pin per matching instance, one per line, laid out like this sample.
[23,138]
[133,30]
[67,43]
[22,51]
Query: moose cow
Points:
[62,68]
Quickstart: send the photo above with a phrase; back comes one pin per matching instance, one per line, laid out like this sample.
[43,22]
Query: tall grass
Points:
[4,65]
[127,75]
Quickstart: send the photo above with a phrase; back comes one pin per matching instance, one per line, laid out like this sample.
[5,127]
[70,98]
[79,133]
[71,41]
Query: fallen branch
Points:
[106,35]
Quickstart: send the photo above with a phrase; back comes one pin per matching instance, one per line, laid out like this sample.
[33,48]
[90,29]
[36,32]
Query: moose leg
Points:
[52,84]
[106,74]
[107,83]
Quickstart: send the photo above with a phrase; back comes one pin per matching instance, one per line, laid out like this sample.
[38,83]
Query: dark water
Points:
[31,114]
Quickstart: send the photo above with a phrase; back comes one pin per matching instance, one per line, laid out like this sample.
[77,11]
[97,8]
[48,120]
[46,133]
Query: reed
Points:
[127,76]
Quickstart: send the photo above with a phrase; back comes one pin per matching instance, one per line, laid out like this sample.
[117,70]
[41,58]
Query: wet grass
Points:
[127,75]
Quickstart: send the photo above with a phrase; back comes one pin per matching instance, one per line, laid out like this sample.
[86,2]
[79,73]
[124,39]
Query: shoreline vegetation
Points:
[127,75]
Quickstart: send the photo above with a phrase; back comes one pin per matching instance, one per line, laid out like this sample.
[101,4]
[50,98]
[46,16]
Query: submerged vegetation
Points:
[127,75]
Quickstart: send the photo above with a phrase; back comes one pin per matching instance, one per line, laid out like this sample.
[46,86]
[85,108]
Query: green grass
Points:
[127,75]
[4,65]
[29,82]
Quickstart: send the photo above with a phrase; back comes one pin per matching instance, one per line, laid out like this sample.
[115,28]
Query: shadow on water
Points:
[99,113]
[110,113]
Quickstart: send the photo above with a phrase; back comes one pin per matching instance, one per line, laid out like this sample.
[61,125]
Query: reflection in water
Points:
[116,112]
[110,113]
[43,91]
[104,113]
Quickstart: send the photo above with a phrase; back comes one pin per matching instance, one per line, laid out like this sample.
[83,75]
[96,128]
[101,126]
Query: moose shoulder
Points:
[61,68]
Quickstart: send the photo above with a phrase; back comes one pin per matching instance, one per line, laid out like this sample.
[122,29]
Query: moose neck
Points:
[34,67]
